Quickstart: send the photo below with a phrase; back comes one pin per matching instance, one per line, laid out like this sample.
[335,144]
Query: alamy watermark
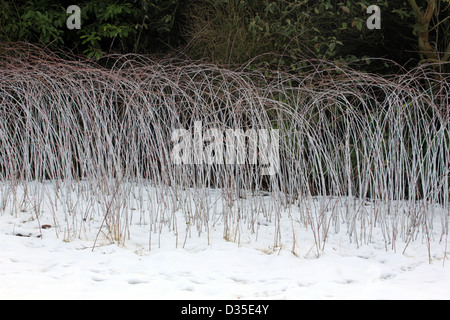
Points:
[227,147]
[374,21]
[74,21]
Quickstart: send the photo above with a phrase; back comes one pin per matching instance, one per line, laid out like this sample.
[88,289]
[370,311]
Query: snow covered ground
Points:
[37,263]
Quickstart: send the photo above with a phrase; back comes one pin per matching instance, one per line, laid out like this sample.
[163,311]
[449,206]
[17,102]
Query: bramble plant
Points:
[357,151]
[360,112]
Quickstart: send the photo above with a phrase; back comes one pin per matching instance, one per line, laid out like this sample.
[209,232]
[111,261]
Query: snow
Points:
[38,263]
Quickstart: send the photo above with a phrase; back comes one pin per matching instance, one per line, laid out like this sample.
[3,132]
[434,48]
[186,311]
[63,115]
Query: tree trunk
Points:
[423,20]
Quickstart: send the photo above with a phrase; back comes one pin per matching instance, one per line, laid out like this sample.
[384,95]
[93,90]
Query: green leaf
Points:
[359,25]
[332,46]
